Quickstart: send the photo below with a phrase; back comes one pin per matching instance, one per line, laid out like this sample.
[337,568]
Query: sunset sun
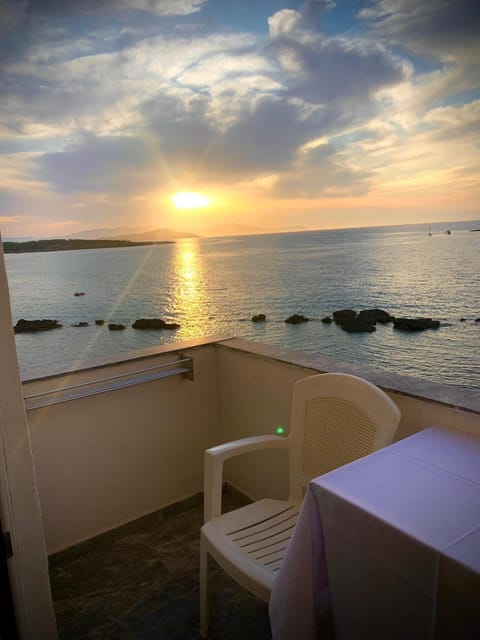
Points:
[190,200]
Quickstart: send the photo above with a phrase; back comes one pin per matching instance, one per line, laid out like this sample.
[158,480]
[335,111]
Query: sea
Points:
[213,286]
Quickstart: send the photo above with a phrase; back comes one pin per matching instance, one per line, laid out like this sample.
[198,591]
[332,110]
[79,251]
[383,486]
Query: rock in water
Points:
[30,326]
[260,317]
[116,327]
[375,315]
[358,325]
[296,319]
[344,315]
[415,324]
[154,323]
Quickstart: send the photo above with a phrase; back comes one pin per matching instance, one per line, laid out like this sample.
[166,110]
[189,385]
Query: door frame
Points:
[20,511]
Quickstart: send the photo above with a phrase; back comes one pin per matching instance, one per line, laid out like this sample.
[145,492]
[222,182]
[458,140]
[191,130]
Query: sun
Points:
[190,200]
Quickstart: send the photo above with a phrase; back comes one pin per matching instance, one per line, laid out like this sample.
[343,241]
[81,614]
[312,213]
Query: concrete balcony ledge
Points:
[455,397]
[36,375]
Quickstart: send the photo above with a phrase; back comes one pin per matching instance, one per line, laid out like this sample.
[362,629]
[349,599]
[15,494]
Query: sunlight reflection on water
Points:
[189,301]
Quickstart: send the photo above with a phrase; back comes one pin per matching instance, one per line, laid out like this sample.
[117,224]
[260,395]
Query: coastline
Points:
[37,246]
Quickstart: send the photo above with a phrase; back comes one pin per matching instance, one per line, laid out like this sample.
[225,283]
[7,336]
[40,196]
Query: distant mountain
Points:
[133,234]
[100,234]
[155,235]
[236,229]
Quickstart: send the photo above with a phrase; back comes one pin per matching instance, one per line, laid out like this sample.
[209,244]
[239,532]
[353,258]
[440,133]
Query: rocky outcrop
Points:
[358,325]
[375,315]
[415,324]
[260,317]
[296,319]
[327,320]
[31,326]
[80,324]
[116,327]
[99,323]
[154,323]
[344,315]
[365,321]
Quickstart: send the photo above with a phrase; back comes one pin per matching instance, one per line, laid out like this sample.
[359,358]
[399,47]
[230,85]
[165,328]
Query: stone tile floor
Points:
[140,582]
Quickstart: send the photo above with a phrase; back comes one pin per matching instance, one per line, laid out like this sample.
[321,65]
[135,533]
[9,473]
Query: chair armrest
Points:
[214,459]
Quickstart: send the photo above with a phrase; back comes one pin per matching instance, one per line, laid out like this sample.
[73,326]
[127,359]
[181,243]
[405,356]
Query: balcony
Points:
[118,455]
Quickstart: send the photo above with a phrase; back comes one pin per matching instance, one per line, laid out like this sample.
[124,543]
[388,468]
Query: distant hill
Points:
[236,229]
[60,244]
[20,239]
[105,232]
[155,235]
[134,234]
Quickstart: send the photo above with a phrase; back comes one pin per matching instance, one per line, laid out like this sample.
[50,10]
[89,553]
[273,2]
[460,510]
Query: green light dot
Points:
[280,431]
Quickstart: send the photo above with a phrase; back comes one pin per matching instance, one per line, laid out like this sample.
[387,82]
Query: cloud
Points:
[460,122]
[434,155]
[180,144]
[210,70]
[86,7]
[322,69]
[322,172]
[160,7]
[11,14]
[97,164]
[103,92]
[440,28]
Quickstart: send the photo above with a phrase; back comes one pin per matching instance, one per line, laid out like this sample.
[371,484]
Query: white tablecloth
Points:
[394,538]
[300,598]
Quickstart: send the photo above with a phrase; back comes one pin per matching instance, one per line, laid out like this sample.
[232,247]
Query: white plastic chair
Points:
[335,418]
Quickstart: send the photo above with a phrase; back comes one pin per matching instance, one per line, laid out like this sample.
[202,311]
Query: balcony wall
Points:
[107,459]
[256,385]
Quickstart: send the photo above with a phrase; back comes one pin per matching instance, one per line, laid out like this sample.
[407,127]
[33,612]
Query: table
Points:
[394,540]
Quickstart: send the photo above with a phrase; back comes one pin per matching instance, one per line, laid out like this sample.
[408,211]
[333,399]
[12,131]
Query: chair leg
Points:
[204,595]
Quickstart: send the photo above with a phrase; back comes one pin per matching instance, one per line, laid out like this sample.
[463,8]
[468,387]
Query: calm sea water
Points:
[214,286]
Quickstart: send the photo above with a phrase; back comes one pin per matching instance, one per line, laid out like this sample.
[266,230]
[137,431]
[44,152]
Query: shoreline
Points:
[41,246]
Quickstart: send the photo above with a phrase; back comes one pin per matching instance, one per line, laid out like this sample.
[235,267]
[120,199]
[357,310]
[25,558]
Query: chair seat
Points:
[253,538]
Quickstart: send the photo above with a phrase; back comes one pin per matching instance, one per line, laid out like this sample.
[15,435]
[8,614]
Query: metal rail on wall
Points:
[183,366]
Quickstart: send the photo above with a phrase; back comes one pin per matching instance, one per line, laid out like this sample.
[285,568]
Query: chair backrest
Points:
[336,418]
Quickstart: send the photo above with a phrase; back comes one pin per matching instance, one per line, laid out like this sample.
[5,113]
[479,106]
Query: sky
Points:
[276,114]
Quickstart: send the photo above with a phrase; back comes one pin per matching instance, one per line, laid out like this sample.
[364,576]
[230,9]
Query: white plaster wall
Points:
[107,459]
[419,413]
[255,398]
[255,393]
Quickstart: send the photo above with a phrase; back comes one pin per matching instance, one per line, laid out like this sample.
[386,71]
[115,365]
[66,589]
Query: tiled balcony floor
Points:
[140,582]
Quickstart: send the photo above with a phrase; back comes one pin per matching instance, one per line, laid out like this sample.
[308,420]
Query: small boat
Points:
[79,293]
[474,229]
